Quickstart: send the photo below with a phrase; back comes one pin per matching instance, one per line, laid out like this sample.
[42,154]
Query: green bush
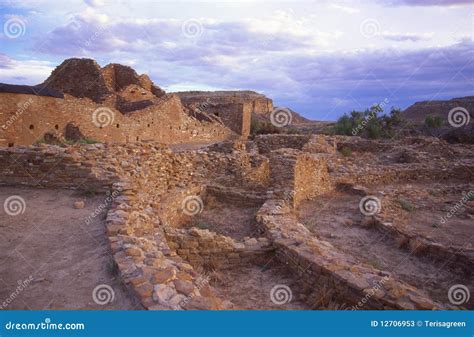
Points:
[368,124]
[346,152]
[433,122]
[261,128]
[406,205]
[374,131]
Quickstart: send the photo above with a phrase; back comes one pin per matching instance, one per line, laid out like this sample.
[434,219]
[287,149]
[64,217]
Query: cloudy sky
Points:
[320,58]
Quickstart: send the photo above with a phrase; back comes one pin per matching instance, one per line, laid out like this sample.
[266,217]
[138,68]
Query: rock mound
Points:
[79,78]
[115,84]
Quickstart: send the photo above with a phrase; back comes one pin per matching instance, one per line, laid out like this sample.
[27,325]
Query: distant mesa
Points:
[420,110]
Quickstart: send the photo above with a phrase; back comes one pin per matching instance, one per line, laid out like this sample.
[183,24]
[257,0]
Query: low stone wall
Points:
[459,256]
[268,143]
[396,173]
[321,144]
[54,167]
[329,273]
[235,196]
[204,248]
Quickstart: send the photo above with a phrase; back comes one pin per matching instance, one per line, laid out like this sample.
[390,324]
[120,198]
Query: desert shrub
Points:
[433,122]
[374,131]
[112,267]
[203,225]
[261,128]
[406,205]
[345,151]
[344,126]
[369,124]
[292,130]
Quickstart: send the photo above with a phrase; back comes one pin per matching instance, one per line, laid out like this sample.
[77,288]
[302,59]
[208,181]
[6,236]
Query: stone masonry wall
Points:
[268,143]
[25,119]
[202,248]
[297,175]
[330,274]
[143,174]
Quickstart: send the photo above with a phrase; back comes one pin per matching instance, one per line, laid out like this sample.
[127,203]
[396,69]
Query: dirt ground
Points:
[250,287]
[63,255]
[421,208]
[227,219]
[336,218]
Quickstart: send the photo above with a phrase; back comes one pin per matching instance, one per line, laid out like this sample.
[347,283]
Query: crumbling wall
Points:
[234,115]
[268,143]
[234,108]
[25,119]
[142,174]
[296,175]
[202,248]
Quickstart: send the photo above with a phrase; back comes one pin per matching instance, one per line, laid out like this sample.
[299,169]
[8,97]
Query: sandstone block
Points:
[164,276]
[184,287]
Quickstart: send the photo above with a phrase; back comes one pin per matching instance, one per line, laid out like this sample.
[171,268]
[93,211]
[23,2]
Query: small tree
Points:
[433,122]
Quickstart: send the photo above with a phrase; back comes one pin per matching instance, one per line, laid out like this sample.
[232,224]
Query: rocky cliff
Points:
[420,110]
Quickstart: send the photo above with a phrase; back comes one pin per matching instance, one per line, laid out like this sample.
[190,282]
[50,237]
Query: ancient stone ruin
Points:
[199,217]
[183,225]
